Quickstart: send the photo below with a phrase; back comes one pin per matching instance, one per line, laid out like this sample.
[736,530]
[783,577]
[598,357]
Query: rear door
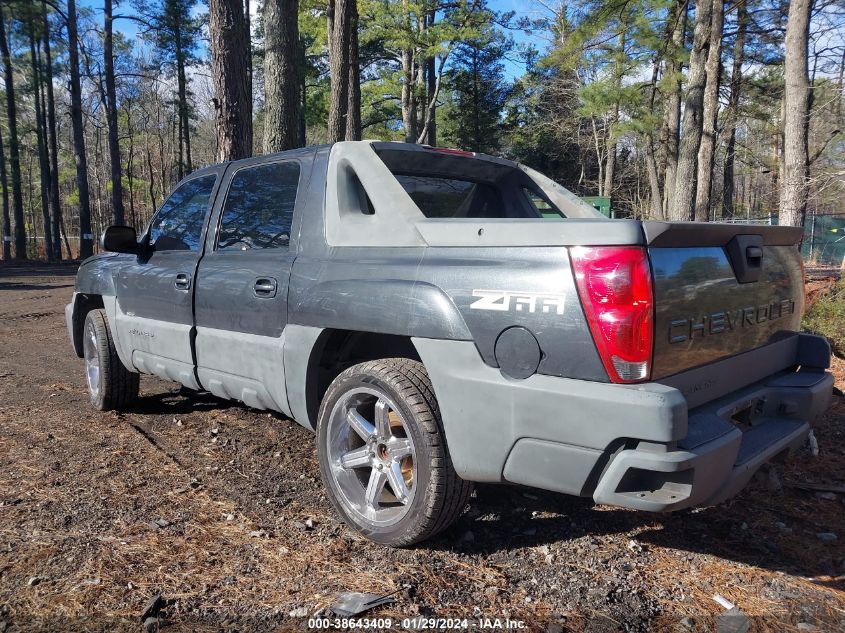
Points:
[242,284]
[155,292]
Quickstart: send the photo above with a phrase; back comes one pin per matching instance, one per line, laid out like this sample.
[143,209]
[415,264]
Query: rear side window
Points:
[178,224]
[541,205]
[259,207]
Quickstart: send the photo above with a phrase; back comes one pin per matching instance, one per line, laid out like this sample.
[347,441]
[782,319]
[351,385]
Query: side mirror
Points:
[120,239]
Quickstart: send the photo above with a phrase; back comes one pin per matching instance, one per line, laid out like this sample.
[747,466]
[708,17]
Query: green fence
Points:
[824,239]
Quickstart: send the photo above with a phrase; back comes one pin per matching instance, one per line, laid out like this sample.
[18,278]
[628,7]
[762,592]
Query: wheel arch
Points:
[83,303]
[333,350]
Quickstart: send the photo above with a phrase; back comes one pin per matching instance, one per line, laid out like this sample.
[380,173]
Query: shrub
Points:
[827,317]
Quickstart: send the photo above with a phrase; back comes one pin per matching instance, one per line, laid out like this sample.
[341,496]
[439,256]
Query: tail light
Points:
[614,283]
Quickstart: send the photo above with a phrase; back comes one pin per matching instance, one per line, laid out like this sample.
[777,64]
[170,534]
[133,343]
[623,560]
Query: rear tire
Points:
[383,454]
[110,384]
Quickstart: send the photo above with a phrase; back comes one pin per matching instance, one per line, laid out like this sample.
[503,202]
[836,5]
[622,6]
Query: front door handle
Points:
[183,281]
[264,287]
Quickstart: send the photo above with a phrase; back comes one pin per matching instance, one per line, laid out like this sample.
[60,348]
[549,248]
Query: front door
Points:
[155,293]
[242,286]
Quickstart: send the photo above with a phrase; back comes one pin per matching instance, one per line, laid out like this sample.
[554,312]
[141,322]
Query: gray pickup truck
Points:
[439,317]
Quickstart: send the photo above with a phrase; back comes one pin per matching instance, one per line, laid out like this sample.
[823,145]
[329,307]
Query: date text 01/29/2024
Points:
[417,624]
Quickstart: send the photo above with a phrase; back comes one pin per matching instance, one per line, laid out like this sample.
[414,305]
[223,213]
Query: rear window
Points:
[452,198]
[440,197]
[445,185]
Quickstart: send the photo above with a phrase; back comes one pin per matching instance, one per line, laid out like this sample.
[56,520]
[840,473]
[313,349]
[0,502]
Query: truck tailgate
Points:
[721,290]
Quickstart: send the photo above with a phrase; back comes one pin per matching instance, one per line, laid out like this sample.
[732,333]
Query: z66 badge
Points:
[505,300]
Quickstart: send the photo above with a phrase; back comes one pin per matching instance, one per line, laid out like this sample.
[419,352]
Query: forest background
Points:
[706,110]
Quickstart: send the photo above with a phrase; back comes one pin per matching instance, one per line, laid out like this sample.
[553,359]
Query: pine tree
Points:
[14,143]
[478,91]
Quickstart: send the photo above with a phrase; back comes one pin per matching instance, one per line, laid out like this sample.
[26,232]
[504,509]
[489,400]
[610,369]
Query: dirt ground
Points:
[220,509]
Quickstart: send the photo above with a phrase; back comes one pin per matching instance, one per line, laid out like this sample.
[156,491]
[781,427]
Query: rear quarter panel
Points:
[451,293]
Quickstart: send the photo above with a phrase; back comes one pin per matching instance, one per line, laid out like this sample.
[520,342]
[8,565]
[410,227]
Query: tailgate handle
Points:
[745,253]
[754,252]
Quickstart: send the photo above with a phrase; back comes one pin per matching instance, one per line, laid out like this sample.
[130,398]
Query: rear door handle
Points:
[264,287]
[183,281]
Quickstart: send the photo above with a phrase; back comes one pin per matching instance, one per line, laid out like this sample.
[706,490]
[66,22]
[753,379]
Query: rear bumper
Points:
[637,446]
[717,459]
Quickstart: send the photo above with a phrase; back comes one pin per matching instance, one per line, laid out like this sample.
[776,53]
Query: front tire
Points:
[383,454]
[110,384]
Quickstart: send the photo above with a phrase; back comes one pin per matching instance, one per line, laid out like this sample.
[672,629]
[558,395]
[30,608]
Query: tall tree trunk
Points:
[186,161]
[671,131]
[732,115]
[653,180]
[612,137]
[86,243]
[796,166]
[476,106]
[682,206]
[14,147]
[281,76]
[339,40]
[409,105]
[151,180]
[229,52]
[650,159]
[111,116]
[41,141]
[303,87]
[353,109]
[130,158]
[431,87]
[707,148]
[7,220]
[55,202]
[249,72]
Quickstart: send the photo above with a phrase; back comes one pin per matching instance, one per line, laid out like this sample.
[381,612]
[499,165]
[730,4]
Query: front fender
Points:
[97,274]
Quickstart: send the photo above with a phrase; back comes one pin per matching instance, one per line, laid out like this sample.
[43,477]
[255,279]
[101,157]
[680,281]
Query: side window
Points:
[178,224]
[541,205]
[259,207]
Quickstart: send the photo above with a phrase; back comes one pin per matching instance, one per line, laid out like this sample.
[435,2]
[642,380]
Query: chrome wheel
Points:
[371,457]
[92,360]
